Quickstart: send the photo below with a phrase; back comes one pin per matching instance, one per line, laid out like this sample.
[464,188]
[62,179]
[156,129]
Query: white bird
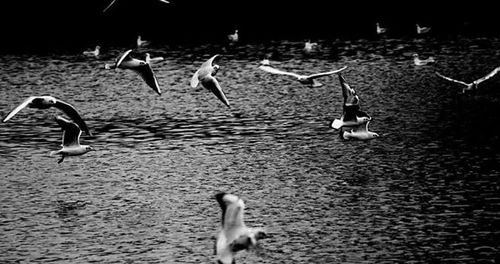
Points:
[234,235]
[233,37]
[472,85]
[309,46]
[205,74]
[380,30]
[422,30]
[125,61]
[112,2]
[353,123]
[94,52]
[141,43]
[70,140]
[152,60]
[45,102]
[303,79]
[419,62]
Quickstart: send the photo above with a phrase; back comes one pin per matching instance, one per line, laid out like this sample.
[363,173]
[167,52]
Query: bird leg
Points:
[61,160]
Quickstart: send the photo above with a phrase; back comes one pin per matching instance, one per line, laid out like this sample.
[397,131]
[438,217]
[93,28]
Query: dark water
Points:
[426,191]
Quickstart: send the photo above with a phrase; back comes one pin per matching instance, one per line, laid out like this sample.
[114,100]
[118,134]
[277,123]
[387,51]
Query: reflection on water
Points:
[426,191]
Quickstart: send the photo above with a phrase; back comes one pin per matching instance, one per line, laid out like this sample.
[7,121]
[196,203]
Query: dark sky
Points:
[73,23]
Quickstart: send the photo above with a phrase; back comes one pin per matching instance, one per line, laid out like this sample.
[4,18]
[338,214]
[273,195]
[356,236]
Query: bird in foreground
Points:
[152,60]
[205,74]
[141,43]
[380,30]
[70,140]
[45,102]
[303,79]
[94,52]
[419,62]
[125,61]
[354,123]
[472,85]
[112,2]
[422,30]
[234,235]
[233,37]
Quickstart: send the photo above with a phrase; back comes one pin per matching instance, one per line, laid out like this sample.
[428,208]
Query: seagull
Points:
[473,85]
[420,62]
[309,46]
[112,2]
[303,79]
[94,52]
[152,60]
[354,123]
[125,61]
[70,140]
[205,74]
[141,43]
[45,102]
[234,235]
[233,37]
[380,30]
[422,30]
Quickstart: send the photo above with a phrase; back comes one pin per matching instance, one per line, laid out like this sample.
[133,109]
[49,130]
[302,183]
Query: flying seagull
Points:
[152,60]
[473,85]
[70,140]
[94,52]
[112,2]
[233,37]
[45,102]
[419,62]
[422,30]
[125,61]
[380,30]
[303,79]
[354,122]
[141,42]
[309,46]
[234,235]
[205,74]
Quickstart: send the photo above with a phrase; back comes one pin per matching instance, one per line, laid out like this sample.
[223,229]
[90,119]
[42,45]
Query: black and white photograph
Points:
[227,131]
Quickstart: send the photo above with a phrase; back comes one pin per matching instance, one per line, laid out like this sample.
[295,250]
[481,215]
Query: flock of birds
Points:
[234,235]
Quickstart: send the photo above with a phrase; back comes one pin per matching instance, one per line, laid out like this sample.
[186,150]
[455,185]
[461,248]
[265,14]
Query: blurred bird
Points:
[473,85]
[234,235]
[303,79]
[112,2]
[422,30]
[233,37]
[125,61]
[45,102]
[152,60]
[70,140]
[420,62]
[94,52]
[309,46]
[205,74]
[141,43]
[380,30]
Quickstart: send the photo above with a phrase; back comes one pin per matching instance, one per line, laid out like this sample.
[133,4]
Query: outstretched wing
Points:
[317,75]
[194,80]
[71,112]
[120,59]
[209,62]
[276,71]
[489,75]
[451,80]
[110,4]
[71,132]
[147,74]
[210,83]
[349,94]
[19,108]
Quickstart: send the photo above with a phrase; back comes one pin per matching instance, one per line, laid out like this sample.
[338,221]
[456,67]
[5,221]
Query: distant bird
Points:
[303,79]
[265,62]
[380,30]
[94,52]
[112,2]
[152,60]
[125,61]
[417,61]
[233,37]
[354,123]
[205,74]
[473,85]
[70,140]
[141,43]
[45,102]
[234,235]
[422,30]
[309,46]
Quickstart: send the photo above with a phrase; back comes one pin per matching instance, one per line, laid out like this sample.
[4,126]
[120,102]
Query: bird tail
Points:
[336,124]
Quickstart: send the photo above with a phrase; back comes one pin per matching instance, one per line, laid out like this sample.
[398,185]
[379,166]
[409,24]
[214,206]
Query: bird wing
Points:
[147,74]
[71,131]
[210,83]
[194,80]
[209,62]
[19,108]
[317,75]
[106,9]
[276,71]
[489,75]
[120,59]
[164,1]
[71,112]
[451,80]
[349,94]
